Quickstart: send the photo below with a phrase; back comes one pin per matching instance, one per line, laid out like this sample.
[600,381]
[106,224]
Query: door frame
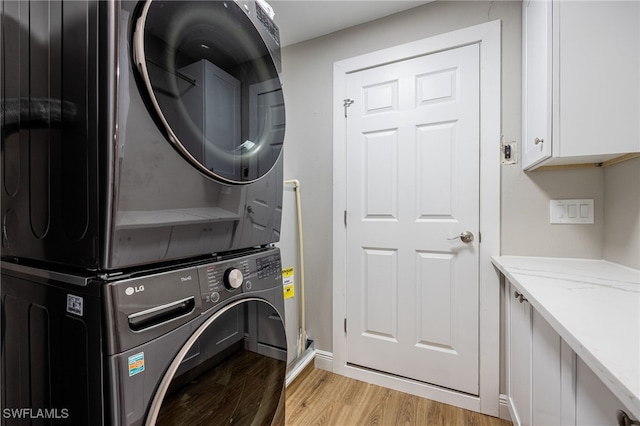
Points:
[487,35]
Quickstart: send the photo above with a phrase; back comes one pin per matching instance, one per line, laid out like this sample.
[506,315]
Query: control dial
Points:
[233,278]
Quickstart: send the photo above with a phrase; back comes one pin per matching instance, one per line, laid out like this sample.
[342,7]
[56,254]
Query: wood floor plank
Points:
[319,397]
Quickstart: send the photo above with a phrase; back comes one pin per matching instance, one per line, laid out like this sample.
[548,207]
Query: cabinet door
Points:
[546,373]
[537,80]
[519,368]
[598,46]
[553,376]
[596,405]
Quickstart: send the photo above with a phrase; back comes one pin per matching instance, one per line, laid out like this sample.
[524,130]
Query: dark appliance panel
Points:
[51,361]
[108,167]
[188,343]
[49,130]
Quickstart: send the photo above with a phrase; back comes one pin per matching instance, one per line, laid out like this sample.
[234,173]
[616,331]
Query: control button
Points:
[233,278]
[248,285]
[215,297]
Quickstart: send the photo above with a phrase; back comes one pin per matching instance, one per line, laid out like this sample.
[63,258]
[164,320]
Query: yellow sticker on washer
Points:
[288,283]
[287,272]
[288,291]
[287,276]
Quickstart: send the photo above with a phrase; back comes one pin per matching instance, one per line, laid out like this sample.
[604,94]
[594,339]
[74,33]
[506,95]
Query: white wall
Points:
[525,228]
[308,88]
[622,213]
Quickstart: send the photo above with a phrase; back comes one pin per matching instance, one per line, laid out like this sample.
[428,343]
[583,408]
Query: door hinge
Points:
[479,237]
[346,103]
[345,325]
[345,218]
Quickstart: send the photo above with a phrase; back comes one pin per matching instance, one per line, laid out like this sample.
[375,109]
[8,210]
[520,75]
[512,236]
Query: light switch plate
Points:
[578,212]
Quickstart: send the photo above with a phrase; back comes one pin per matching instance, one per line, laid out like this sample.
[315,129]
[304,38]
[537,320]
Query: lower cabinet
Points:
[596,405]
[553,365]
[547,384]
[519,358]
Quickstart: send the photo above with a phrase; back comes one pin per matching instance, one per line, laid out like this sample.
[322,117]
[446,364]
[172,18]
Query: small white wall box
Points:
[578,212]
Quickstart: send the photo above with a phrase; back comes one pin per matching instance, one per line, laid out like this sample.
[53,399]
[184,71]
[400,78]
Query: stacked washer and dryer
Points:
[141,196]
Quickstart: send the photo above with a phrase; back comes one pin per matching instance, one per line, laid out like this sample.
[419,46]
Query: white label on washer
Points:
[75,304]
[287,276]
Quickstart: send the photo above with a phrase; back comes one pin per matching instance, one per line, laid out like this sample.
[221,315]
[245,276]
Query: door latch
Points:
[346,104]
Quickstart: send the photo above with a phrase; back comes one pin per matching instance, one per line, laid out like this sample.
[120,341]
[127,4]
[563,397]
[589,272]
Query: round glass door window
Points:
[231,371]
[213,85]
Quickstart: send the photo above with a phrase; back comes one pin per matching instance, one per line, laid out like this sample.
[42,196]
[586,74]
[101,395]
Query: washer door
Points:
[212,84]
[230,371]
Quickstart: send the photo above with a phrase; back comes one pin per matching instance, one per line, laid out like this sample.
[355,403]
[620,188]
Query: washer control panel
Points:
[268,266]
[221,280]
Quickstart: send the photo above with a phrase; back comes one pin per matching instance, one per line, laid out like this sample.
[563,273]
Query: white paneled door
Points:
[412,190]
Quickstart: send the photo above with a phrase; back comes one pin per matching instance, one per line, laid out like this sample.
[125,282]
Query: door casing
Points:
[488,36]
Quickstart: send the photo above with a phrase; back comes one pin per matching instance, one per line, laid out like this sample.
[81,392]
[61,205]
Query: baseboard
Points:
[324,360]
[503,406]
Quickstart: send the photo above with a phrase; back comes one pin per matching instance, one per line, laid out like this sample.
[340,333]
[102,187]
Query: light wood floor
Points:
[318,397]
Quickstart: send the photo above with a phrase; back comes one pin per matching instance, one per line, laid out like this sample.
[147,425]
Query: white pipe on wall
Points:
[296,185]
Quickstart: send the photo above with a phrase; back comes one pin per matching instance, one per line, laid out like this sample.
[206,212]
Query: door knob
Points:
[465,237]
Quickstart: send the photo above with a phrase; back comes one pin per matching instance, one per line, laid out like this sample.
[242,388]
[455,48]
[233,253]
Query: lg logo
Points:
[131,290]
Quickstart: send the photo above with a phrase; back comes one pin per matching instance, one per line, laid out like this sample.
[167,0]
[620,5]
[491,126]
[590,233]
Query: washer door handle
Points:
[159,314]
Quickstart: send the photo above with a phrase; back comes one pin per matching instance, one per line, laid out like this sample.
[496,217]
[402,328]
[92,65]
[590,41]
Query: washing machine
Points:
[138,132]
[203,343]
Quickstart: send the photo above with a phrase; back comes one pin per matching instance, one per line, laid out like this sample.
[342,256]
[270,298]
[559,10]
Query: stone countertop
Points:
[594,305]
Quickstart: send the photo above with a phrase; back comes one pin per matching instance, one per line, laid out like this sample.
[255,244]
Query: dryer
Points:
[138,132]
[197,344]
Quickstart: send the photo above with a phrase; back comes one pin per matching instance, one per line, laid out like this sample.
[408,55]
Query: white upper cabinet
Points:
[581,82]
[537,108]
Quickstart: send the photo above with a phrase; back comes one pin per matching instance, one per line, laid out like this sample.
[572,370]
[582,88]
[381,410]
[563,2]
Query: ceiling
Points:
[301,20]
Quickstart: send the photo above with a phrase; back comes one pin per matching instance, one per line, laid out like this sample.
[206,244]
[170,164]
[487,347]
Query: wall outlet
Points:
[508,152]
[578,212]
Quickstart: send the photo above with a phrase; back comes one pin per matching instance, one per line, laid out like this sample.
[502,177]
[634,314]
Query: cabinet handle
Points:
[624,419]
[520,297]
[538,141]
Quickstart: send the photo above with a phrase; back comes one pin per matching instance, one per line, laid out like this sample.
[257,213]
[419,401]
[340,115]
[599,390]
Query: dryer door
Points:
[231,371]
[209,73]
